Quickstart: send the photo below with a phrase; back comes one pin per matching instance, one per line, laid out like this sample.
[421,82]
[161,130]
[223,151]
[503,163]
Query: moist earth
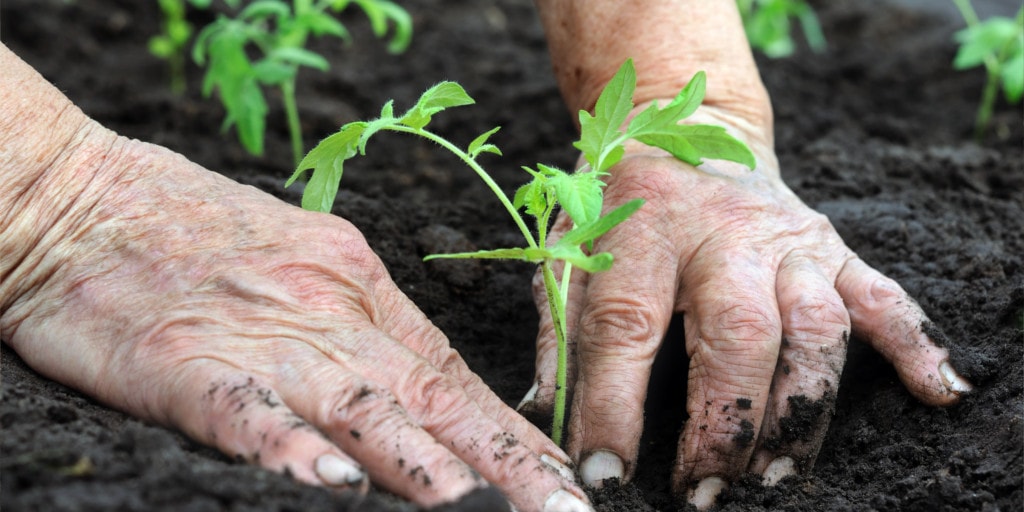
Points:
[875,133]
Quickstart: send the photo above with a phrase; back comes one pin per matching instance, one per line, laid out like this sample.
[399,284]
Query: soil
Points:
[875,133]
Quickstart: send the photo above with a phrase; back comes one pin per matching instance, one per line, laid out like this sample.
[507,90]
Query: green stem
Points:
[491,184]
[988,94]
[557,307]
[177,64]
[988,101]
[292,113]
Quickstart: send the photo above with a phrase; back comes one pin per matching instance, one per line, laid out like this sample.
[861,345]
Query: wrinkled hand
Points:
[770,296]
[271,333]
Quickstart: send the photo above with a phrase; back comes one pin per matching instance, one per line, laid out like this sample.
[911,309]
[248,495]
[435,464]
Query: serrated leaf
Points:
[656,120]
[531,195]
[599,133]
[479,144]
[693,143]
[582,234]
[579,194]
[327,160]
[437,98]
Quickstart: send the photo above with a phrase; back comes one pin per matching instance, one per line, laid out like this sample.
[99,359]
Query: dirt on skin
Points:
[875,133]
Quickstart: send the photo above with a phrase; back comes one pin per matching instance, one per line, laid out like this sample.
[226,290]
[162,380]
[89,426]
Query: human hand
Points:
[268,332]
[770,295]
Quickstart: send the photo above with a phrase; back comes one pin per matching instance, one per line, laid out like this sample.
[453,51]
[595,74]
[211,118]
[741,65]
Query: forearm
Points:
[51,155]
[668,40]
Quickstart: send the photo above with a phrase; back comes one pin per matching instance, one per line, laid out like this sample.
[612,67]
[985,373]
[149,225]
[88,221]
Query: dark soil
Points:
[875,134]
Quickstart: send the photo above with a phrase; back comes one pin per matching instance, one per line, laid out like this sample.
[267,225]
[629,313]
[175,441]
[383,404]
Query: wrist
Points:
[669,41]
[54,163]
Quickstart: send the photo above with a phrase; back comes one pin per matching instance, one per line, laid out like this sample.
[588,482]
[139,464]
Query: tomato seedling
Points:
[175,32]
[997,44]
[579,194]
[767,24]
[278,32]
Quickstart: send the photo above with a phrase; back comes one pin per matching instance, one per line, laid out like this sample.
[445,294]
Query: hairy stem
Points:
[491,184]
[557,307]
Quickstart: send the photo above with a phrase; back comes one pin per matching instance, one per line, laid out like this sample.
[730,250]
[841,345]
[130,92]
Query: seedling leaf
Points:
[437,98]
[600,138]
[327,160]
[479,144]
[579,194]
[582,234]
[300,57]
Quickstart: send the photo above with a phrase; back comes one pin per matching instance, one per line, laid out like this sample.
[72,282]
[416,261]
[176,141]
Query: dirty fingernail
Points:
[335,471]
[780,468]
[563,501]
[953,381]
[599,466]
[703,496]
[559,468]
[529,396]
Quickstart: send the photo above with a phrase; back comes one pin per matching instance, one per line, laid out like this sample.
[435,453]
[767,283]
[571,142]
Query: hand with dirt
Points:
[769,292]
[268,332]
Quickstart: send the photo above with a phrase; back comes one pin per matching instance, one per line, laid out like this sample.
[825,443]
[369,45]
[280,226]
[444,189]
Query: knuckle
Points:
[817,313]
[745,321]
[359,403]
[431,397]
[626,321]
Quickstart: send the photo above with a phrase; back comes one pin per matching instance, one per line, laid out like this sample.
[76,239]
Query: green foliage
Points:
[997,44]
[175,34]
[767,24]
[579,194]
[277,32]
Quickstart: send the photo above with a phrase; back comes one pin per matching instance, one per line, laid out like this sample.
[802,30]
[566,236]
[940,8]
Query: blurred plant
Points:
[175,34]
[997,44]
[767,24]
[277,32]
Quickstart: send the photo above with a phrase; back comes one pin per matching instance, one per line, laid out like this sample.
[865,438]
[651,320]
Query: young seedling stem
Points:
[998,45]
[579,194]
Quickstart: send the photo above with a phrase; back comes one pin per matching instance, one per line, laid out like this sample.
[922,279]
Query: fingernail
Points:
[599,466]
[564,501]
[529,396]
[703,496]
[953,381]
[559,468]
[334,471]
[780,468]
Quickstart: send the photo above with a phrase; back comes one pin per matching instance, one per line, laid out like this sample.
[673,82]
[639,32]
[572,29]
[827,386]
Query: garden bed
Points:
[876,134]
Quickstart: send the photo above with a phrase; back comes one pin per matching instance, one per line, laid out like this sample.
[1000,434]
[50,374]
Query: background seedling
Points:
[277,32]
[175,34]
[579,194]
[997,44]
[767,24]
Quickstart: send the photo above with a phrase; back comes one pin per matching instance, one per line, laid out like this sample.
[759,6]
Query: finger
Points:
[406,322]
[815,330]
[882,313]
[242,416]
[437,406]
[538,403]
[733,333]
[621,326]
[368,422]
